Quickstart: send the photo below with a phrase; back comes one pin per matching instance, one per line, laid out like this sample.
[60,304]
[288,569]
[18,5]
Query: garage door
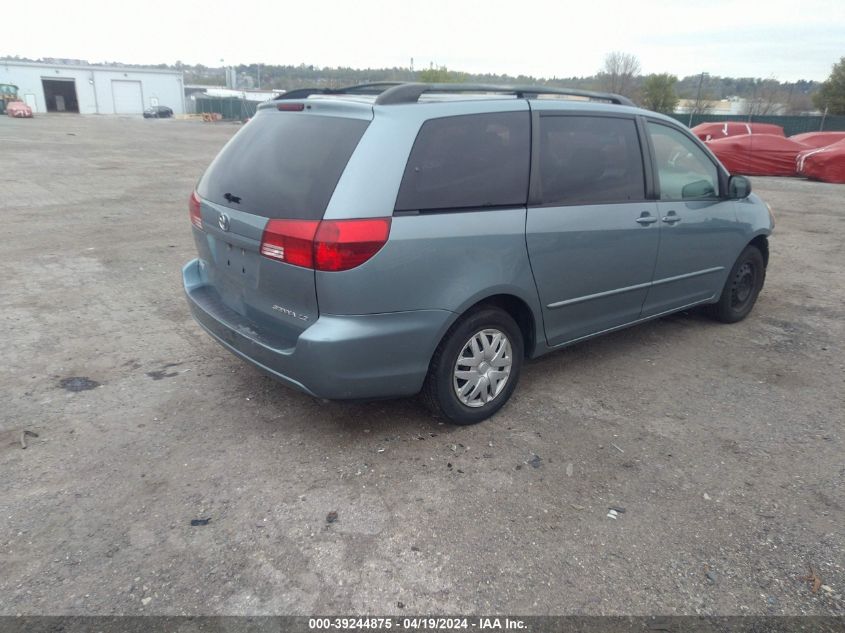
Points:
[127,97]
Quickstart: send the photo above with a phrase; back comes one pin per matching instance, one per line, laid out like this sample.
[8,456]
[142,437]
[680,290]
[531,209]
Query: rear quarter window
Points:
[283,164]
[468,161]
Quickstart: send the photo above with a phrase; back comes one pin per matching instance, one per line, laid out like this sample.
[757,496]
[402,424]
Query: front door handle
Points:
[671,218]
[646,218]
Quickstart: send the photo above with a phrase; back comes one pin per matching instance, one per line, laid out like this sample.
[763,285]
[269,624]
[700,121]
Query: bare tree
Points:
[768,98]
[619,73]
[798,102]
[703,102]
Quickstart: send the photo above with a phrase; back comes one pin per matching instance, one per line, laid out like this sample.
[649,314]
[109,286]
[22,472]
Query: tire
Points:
[742,287]
[479,376]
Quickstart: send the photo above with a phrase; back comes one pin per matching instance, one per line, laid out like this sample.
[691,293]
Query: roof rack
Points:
[360,89]
[411,92]
[396,92]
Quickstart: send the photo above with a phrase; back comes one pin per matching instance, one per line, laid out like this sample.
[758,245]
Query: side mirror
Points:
[698,189]
[739,187]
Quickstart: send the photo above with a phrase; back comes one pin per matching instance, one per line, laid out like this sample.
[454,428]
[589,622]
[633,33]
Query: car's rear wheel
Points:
[476,367]
[742,287]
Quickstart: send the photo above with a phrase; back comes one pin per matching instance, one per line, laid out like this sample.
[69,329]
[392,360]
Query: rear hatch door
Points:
[281,165]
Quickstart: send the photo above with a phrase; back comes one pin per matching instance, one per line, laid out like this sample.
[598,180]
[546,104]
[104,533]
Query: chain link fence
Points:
[230,108]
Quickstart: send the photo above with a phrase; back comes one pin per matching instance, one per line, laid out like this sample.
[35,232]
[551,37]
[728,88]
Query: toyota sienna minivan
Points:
[389,240]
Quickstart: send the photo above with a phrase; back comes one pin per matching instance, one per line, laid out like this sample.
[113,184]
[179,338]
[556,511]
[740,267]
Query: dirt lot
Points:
[724,444]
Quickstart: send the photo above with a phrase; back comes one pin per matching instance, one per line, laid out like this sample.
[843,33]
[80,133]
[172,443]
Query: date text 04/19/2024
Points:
[417,623]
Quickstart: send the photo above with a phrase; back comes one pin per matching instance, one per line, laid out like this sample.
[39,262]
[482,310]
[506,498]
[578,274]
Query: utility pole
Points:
[697,99]
[753,105]
[259,76]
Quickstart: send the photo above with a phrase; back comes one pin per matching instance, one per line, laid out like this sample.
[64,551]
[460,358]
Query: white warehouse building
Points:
[93,89]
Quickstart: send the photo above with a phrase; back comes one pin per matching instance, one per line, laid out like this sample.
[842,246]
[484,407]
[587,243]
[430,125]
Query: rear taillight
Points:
[345,244]
[331,245]
[194,208]
[290,241]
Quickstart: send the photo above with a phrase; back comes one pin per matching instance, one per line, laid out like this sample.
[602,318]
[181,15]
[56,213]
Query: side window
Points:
[590,160]
[683,170]
[476,160]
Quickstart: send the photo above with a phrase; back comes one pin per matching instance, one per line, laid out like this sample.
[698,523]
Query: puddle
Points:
[78,383]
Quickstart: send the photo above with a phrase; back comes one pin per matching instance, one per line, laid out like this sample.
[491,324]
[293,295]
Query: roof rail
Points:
[361,89]
[396,92]
[411,92]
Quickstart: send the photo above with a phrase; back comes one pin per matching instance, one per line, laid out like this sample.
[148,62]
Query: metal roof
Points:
[119,69]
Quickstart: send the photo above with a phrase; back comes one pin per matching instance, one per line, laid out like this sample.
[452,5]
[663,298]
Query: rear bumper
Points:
[339,356]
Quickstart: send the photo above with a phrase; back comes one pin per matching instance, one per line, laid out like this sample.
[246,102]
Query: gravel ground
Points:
[723,444]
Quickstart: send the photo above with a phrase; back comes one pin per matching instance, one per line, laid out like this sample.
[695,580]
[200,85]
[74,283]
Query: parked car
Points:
[431,238]
[725,129]
[818,139]
[18,110]
[158,112]
[823,163]
[758,154]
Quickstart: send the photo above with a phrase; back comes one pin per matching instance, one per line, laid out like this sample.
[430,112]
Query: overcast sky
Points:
[787,40]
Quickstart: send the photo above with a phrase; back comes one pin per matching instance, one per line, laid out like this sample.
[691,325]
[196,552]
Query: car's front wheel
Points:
[742,287]
[476,367]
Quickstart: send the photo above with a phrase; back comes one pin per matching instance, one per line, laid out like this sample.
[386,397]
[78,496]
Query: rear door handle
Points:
[646,218]
[671,218]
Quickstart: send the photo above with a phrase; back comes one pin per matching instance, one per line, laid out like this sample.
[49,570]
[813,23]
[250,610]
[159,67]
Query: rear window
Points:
[589,160]
[468,161]
[282,165]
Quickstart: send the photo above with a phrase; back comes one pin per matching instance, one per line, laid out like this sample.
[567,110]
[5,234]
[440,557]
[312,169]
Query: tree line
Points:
[662,91]
[620,73]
